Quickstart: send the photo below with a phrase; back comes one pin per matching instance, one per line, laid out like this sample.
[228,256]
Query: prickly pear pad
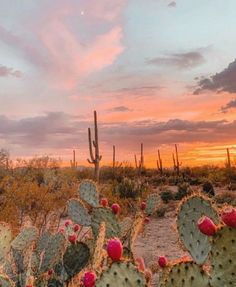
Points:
[88,192]
[53,253]
[185,274]
[125,226]
[27,236]
[190,211]
[100,215]
[135,229]
[123,274]
[5,281]
[76,258]
[5,240]
[152,203]
[78,212]
[222,256]
[99,252]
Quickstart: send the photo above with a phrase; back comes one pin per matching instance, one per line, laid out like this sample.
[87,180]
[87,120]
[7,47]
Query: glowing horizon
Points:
[159,72]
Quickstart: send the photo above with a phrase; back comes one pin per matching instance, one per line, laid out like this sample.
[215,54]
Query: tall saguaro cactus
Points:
[176,162]
[73,163]
[228,158]
[95,158]
[159,162]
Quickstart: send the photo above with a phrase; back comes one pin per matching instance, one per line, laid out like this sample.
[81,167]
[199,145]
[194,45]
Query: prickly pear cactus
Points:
[135,229]
[123,274]
[185,274]
[78,212]
[190,211]
[222,258]
[100,215]
[25,238]
[76,258]
[88,192]
[54,252]
[5,240]
[99,252]
[152,203]
[125,226]
[5,281]
[43,241]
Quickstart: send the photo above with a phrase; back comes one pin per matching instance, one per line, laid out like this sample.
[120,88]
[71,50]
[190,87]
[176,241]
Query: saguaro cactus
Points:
[95,158]
[159,162]
[228,158]
[114,158]
[176,162]
[73,163]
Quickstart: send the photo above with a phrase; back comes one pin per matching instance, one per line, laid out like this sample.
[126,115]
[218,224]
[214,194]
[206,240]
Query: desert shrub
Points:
[208,188]
[160,212]
[226,197]
[183,190]
[167,196]
[128,188]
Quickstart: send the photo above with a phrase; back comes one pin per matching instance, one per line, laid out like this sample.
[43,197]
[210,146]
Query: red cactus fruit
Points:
[115,208]
[147,220]
[61,230]
[72,238]
[50,272]
[68,223]
[76,227]
[140,263]
[89,279]
[206,226]
[104,202]
[114,249]
[143,205]
[162,261]
[228,216]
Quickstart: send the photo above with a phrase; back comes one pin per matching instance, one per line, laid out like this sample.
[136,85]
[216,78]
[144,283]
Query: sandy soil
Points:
[159,238]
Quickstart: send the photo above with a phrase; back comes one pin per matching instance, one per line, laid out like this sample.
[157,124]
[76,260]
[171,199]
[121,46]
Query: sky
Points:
[159,72]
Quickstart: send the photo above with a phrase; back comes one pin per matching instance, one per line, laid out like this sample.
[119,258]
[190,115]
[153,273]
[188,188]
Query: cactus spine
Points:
[94,158]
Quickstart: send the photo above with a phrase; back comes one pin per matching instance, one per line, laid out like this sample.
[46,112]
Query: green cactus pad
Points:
[123,275]
[190,211]
[5,240]
[222,256]
[98,254]
[100,215]
[185,274]
[135,229]
[5,281]
[43,242]
[78,212]
[24,239]
[125,226]
[76,258]
[88,192]
[54,252]
[152,203]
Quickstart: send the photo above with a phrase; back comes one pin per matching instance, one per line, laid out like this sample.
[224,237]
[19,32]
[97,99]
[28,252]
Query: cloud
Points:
[224,81]
[5,72]
[64,53]
[120,109]
[230,105]
[59,131]
[179,60]
[172,4]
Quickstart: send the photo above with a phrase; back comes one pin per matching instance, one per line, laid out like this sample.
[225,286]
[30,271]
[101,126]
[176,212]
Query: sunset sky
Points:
[157,71]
